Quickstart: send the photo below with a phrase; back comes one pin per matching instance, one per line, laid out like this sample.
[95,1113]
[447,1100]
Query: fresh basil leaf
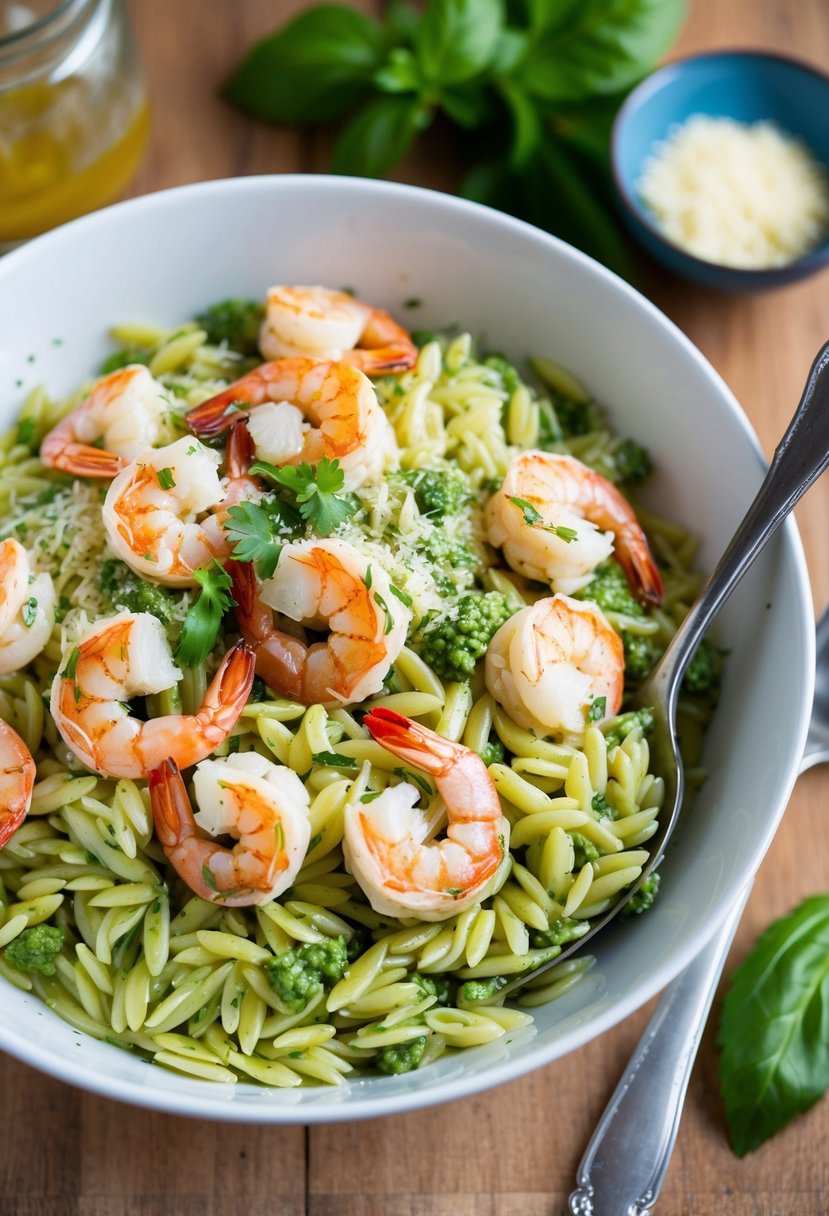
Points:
[552,191]
[400,74]
[587,126]
[527,131]
[457,38]
[402,20]
[509,50]
[314,69]
[379,135]
[588,48]
[773,1032]
[557,195]
[468,106]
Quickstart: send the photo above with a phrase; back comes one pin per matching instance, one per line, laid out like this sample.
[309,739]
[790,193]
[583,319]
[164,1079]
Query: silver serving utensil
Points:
[800,458]
[624,1167]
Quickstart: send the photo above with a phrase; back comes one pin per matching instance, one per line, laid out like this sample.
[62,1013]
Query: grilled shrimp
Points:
[17,780]
[386,849]
[155,510]
[325,324]
[263,805]
[125,409]
[568,495]
[127,656]
[322,584]
[27,608]
[347,421]
[551,662]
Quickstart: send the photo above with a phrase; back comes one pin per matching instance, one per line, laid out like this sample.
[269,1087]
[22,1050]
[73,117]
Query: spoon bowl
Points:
[799,459]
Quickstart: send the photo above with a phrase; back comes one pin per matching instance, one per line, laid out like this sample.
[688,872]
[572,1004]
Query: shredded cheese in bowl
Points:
[737,194]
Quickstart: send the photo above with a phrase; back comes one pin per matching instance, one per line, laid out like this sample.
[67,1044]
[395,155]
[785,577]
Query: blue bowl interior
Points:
[745,86]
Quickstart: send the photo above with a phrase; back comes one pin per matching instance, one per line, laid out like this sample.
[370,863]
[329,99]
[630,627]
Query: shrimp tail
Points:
[229,690]
[81,460]
[240,453]
[171,806]
[384,347]
[215,415]
[409,741]
[244,590]
[642,573]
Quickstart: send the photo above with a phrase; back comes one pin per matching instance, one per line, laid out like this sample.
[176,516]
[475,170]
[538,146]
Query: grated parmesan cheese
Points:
[738,194]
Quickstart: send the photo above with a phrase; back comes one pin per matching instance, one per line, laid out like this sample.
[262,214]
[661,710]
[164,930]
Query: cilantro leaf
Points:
[201,624]
[250,530]
[775,1059]
[315,489]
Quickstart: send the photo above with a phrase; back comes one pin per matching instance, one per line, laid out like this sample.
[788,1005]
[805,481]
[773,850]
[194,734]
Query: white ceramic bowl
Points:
[163,257]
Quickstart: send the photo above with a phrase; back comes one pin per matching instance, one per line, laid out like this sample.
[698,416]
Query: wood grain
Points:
[513,1151]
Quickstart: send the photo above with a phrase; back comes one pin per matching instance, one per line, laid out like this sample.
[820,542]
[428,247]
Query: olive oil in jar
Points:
[73,116]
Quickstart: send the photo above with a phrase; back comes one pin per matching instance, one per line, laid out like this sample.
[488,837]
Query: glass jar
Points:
[73,114]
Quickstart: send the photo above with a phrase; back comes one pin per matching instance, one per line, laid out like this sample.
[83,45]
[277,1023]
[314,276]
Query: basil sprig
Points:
[533,85]
[773,1033]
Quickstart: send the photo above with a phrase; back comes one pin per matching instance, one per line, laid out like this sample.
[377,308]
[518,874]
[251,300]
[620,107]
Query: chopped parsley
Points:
[165,478]
[70,671]
[333,760]
[533,518]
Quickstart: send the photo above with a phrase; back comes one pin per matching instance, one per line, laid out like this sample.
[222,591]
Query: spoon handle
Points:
[624,1167]
[800,458]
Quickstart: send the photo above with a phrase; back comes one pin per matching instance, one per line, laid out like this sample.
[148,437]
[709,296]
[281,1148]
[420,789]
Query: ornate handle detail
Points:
[624,1167]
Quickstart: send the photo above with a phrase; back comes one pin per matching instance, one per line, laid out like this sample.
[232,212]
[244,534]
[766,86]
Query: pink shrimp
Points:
[582,519]
[348,423]
[127,656]
[553,661]
[263,805]
[325,324]
[17,780]
[125,409]
[322,584]
[399,870]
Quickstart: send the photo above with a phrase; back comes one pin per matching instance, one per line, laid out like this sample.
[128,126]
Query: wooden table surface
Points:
[513,1151]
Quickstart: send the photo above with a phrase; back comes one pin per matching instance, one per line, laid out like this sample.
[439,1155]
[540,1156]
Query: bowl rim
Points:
[816,259]
[211,1100]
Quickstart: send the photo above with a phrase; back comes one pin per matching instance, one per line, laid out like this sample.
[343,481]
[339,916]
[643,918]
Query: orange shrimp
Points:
[325,324]
[27,607]
[263,805]
[126,409]
[348,423]
[322,584]
[127,656]
[551,662]
[17,780]
[399,870]
[568,495]
[158,513]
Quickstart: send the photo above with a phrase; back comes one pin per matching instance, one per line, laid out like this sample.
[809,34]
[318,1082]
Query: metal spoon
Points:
[626,1161]
[801,456]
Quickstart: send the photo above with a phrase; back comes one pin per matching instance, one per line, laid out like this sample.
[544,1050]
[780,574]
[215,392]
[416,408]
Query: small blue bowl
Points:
[744,85]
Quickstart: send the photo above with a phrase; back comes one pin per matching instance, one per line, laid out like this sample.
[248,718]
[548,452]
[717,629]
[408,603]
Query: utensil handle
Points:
[800,458]
[624,1167]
